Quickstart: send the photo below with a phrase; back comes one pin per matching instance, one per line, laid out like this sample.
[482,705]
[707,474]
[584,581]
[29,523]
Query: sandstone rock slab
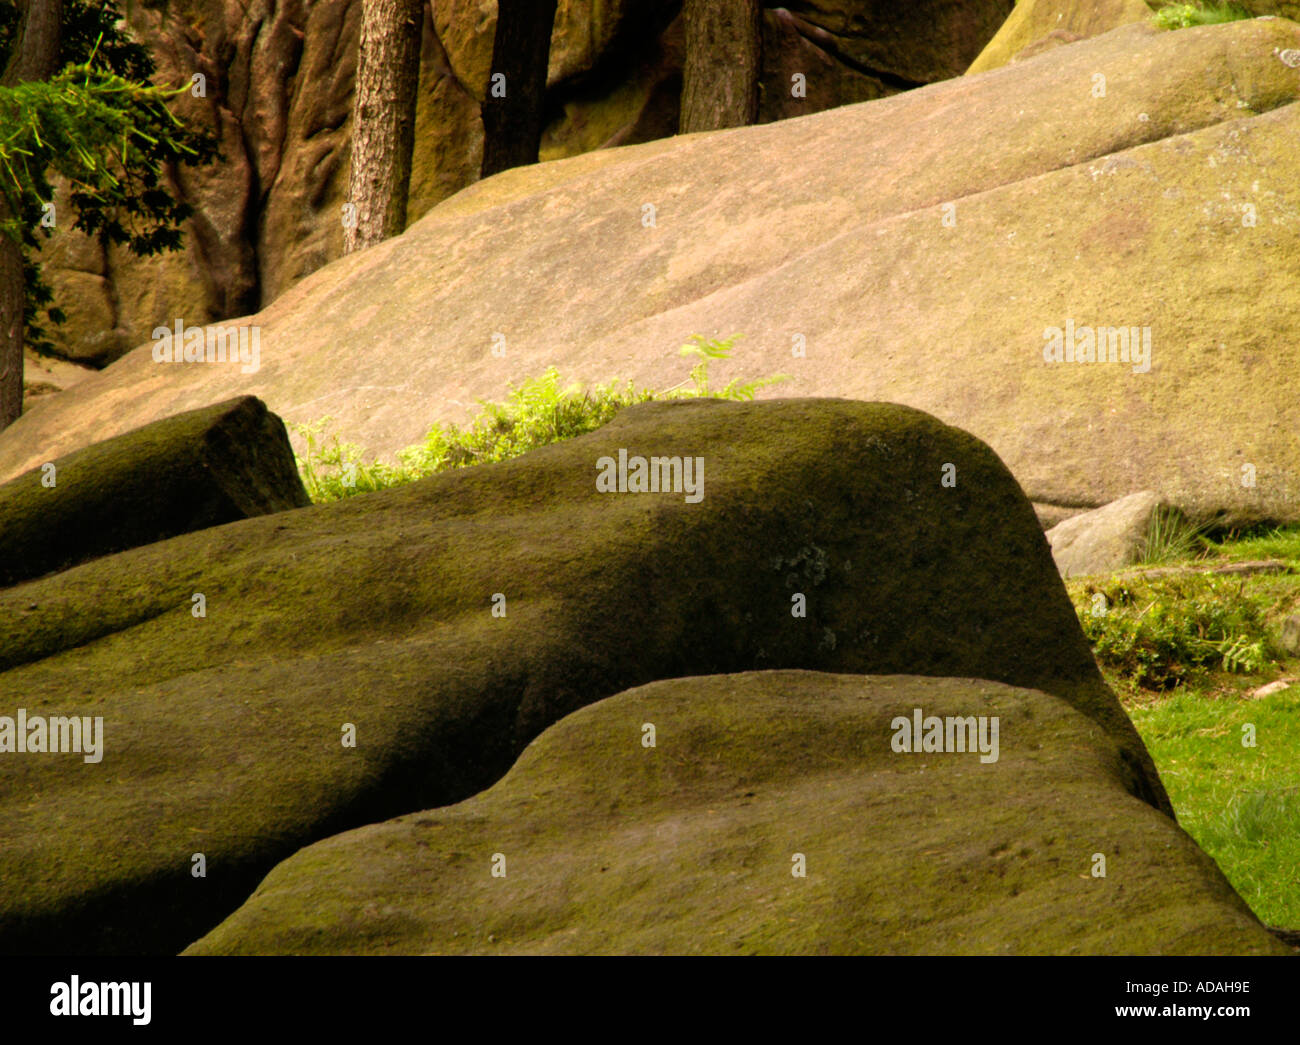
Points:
[904,275]
[278,95]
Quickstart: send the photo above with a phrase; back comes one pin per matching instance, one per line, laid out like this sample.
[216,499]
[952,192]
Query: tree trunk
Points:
[13,296]
[514,110]
[36,43]
[724,51]
[35,57]
[383,120]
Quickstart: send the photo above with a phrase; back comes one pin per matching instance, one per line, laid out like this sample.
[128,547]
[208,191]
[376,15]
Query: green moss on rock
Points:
[610,846]
[222,733]
[194,470]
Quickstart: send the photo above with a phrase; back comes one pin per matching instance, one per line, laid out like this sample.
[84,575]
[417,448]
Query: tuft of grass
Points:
[1183,16]
[540,411]
[1173,537]
[1262,816]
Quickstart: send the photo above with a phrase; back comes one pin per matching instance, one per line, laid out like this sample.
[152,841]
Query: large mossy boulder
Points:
[445,624]
[197,469]
[597,843]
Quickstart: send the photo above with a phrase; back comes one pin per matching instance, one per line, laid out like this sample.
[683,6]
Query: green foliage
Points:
[88,29]
[109,137]
[109,134]
[1183,16]
[94,31]
[537,413]
[706,351]
[1166,631]
[332,470]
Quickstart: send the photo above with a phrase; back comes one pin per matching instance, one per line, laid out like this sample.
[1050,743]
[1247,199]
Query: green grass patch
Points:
[1184,652]
[1183,16]
[540,411]
[1265,542]
[1241,803]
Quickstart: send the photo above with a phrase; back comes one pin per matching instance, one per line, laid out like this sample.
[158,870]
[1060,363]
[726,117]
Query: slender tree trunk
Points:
[383,120]
[35,57]
[724,51]
[514,110]
[13,295]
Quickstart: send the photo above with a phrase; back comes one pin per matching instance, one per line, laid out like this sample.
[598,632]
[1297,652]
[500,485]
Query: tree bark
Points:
[35,57]
[724,52]
[383,120]
[514,110]
[36,44]
[13,296]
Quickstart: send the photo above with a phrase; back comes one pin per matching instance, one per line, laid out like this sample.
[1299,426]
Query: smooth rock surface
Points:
[605,846]
[278,94]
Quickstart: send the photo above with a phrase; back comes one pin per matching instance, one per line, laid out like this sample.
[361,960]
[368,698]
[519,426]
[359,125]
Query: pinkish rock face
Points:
[917,247]
[278,93]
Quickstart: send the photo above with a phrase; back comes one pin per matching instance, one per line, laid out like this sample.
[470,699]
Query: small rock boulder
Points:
[1106,539]
[1291,634]
[187,472]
